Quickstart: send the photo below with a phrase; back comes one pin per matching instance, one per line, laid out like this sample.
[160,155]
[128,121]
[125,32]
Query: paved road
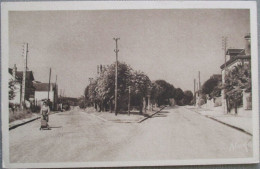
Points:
[174,133]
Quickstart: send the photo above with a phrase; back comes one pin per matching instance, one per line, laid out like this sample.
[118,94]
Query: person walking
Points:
[45,110]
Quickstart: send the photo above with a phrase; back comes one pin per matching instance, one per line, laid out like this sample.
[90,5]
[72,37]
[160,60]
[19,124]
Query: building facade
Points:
[42,91]
[237,57]
[17,77]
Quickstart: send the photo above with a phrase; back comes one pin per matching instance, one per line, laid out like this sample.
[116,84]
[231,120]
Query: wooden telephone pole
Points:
[129,99]
[194,92]
[116,51]
[25,54]
[224,100]
[199,82]
[49,86]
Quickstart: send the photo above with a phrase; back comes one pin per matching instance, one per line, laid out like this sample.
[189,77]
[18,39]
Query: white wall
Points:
[41,95]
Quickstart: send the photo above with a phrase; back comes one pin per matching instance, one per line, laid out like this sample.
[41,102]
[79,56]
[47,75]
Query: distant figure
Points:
[45,110]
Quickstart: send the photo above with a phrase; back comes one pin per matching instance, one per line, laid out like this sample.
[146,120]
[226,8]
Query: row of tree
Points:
[237,80]
[100,92]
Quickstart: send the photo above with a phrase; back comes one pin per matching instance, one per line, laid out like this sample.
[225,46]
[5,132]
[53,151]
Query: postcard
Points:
[124,83]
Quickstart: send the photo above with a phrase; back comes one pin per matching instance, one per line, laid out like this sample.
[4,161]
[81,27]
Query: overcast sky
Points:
[165,44]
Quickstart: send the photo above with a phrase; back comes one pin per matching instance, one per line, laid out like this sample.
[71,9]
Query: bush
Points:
[201,102]
[20,114]
[82,105]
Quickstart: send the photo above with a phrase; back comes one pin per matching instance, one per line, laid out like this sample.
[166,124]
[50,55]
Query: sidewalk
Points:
[34,116]
[242,121]
[18,123]
[134,116]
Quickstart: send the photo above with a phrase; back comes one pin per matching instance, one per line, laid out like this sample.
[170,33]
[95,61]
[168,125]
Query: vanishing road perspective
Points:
[173,133]
[130,85]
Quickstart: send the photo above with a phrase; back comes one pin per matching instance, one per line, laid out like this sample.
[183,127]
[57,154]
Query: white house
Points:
[17,78]
[41,93]
[237,57]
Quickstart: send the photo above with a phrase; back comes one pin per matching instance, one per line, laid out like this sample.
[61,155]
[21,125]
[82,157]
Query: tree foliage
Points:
[179,94]
[212,87]
[237,80]
[162,91]
[209,85]
[100,92]
[187,98]
[140,87]
[12,89]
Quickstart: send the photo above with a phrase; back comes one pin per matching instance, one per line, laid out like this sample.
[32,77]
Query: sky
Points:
[168,44]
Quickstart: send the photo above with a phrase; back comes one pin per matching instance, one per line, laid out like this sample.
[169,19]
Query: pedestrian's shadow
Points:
[55,127]
[159,115]
[45,128]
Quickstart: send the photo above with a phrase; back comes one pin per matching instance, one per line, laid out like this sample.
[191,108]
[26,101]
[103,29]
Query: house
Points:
[237,57]
[42,90]
[17,78]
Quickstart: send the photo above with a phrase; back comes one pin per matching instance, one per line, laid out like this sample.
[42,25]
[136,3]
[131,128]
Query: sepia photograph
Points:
[94,84]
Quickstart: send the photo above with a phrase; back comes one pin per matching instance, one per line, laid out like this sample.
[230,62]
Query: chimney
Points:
[248,44]
[14,71]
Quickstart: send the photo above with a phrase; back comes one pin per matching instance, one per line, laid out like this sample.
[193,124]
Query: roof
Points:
[234,59]
[234,51]
[43,86]
[19,74]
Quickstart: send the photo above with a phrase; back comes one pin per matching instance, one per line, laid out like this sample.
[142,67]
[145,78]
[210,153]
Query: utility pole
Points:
[56,81]
[129,98]
[194,92]
[49,85]
[199,82]
[55,93]
[25,54]
[116,51]
[224,48]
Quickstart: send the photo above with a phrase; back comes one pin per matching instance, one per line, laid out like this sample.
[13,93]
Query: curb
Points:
[229,125]
[17,125]
[151,115]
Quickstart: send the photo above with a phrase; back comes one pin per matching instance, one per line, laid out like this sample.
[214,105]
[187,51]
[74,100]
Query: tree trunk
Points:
[235,107]
[95,105]
[110,106]
[144,105]
[228,104]
[140,109]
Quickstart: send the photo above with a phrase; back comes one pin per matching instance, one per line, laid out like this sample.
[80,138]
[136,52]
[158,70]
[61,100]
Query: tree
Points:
[140,85]
[188,96]
[179,94]
[12,89]
[101,91]
[237,80]
[162,91]
[90,93]
[209,85]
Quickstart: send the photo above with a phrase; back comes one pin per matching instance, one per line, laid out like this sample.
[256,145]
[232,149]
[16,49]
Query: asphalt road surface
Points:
[173,134]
